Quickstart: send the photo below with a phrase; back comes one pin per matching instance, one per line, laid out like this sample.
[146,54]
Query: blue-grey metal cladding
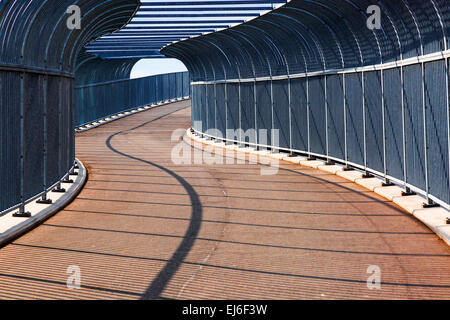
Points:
[98,100]
[375,99]
[393,121]
[38,58]
[335,109]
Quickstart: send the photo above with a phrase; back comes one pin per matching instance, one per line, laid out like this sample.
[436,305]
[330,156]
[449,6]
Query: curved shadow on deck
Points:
[162,279]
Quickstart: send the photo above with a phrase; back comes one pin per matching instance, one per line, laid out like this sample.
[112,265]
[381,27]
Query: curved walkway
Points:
[145,228]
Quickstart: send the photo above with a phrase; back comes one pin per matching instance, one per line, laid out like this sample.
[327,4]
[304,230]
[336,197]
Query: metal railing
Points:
[99,100]
[391,122]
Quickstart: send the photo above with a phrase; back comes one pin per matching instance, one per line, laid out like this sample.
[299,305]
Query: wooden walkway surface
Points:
[146,228]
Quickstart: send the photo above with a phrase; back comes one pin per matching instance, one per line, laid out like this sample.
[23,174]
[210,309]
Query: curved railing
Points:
[99,100]
[322,78]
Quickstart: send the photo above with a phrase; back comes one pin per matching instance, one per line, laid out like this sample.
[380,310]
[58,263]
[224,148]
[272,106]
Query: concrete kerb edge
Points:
[30,223]
[433,218]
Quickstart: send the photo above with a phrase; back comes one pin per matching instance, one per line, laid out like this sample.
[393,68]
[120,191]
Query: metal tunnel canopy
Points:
[306,36]
[38,58]
[158,23]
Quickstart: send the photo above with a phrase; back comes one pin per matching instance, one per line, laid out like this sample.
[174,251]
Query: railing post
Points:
[69,131]
[272,142]
[363,80]
[206,106]
[429,203]
[215,105]
[447,75]
[255,105]
[22,213]
[225,85]
[327,135]
[344,85]
[290,113]
[307,116]
[241,143]
[386,182]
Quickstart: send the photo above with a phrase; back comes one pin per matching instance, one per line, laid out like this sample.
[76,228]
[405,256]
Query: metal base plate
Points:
[22,215]
[46,201]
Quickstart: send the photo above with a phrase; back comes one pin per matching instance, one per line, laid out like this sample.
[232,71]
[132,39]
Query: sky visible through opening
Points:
[150,67]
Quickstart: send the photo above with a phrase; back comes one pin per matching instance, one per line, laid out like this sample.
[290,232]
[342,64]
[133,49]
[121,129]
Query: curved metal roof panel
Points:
[158,23]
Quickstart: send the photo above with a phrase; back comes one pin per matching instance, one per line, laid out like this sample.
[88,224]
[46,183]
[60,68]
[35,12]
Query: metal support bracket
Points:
[367,175]
[22,213]
[408,192]
[430,204]
[58,189]
[44,200]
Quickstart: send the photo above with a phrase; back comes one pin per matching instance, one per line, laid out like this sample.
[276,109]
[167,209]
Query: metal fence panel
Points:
[53,130]
[64,147]
[335,116]
[195,108]
[437,129]
[33,143]
[281,117]
[355,120]
[211,107]
[394,123]
[9,140]
[374,120]
[317,115]
[299,114]
[221,113]
[172,85]
[203,107]
[233,107]
[264,112]
[99,100]
[248,111]
[415,157]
